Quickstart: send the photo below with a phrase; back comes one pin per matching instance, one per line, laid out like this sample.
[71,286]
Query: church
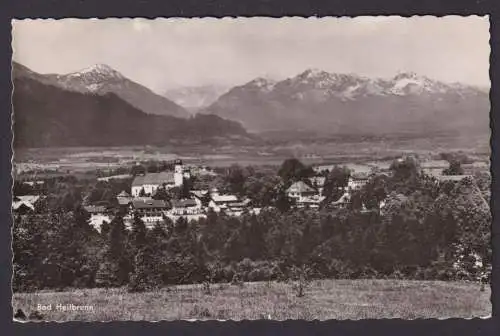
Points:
[152,181]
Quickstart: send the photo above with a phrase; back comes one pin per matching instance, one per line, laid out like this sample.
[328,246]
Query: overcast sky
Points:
[168,53]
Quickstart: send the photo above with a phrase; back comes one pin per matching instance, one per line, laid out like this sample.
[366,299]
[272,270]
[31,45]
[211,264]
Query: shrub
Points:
[300,275]
[200,312]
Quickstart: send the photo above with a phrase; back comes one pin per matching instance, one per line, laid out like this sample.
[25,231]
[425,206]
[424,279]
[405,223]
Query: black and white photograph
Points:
[251,168]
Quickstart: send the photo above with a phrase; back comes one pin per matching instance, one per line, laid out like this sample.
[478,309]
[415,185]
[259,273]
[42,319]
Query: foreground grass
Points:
[324,299]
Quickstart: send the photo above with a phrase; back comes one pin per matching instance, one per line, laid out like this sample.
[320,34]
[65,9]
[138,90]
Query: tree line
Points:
[424,230]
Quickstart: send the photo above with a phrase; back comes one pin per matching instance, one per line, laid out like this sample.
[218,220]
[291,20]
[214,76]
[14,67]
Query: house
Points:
[357,181]
[95,209]
[222,202]
[309,201]
[434,167]
[24,204]
[148,206]
[98,215]
[318,182]
[149,210]
[37,185]
[300,189]
[237,208]
[185,207]
[98,220]
[201,197]
[152,181]
[124,198]
[343,201]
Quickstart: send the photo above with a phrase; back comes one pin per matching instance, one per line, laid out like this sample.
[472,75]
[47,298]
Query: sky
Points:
[169,53]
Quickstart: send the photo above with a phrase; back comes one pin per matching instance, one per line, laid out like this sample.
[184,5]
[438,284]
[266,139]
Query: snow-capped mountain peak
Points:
[407,75]
[262,83]
[407,82]
[313,73]
[98,72]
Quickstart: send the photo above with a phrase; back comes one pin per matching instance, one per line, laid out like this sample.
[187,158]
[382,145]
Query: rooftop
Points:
[300,187]
[199,193]
[27,198]
[154,178]
[359,176]
[123,194]
[95,208]
[148,204]
[224,198]
[184,203]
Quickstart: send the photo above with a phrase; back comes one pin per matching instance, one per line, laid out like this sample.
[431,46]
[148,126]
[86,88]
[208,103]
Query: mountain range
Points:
[100,106]
[101,79]
[194,98]
[333,103]
[92,109]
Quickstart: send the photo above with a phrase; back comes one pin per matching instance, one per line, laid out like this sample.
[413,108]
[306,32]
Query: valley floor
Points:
[323,300]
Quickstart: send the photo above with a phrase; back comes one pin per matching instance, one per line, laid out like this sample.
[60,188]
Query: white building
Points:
[299,190]
[222,202]
[357,181]
[152,181]
[185,207]
[25,203]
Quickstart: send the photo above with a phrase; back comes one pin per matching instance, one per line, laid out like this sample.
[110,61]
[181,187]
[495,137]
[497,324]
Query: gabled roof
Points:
[148,204]
[240,204]
[224,198]
[312,199]
[20,204]
[199,193]
[345,198]
[28,198]
[154,178]
[300,187]
[124,200]
[184,203]
[123,194]
[359,176]
[95,209]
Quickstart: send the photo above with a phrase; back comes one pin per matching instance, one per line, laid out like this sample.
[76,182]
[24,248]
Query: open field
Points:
[329,151]
[324,299]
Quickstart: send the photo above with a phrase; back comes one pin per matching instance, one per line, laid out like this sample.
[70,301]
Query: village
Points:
[142,197]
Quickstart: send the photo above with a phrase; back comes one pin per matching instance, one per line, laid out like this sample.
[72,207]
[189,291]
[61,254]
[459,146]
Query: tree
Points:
[147,274]
[235,179]
[293,170]
[161,194]
[142,193]
[262,190]
[405,169]
[455,168]
[406,175]
[335,183]
[375,191]
[137,234]
[115,268]
[282,202]
[137,170]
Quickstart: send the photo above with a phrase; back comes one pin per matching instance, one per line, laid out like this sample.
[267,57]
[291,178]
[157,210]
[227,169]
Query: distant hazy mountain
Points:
[325,102]
[46,114]
[102,79]
[196,97]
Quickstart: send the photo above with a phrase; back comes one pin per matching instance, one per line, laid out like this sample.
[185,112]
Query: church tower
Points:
[178,173]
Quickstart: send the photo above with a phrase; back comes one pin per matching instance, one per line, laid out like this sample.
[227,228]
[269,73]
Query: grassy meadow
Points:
[323,300]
